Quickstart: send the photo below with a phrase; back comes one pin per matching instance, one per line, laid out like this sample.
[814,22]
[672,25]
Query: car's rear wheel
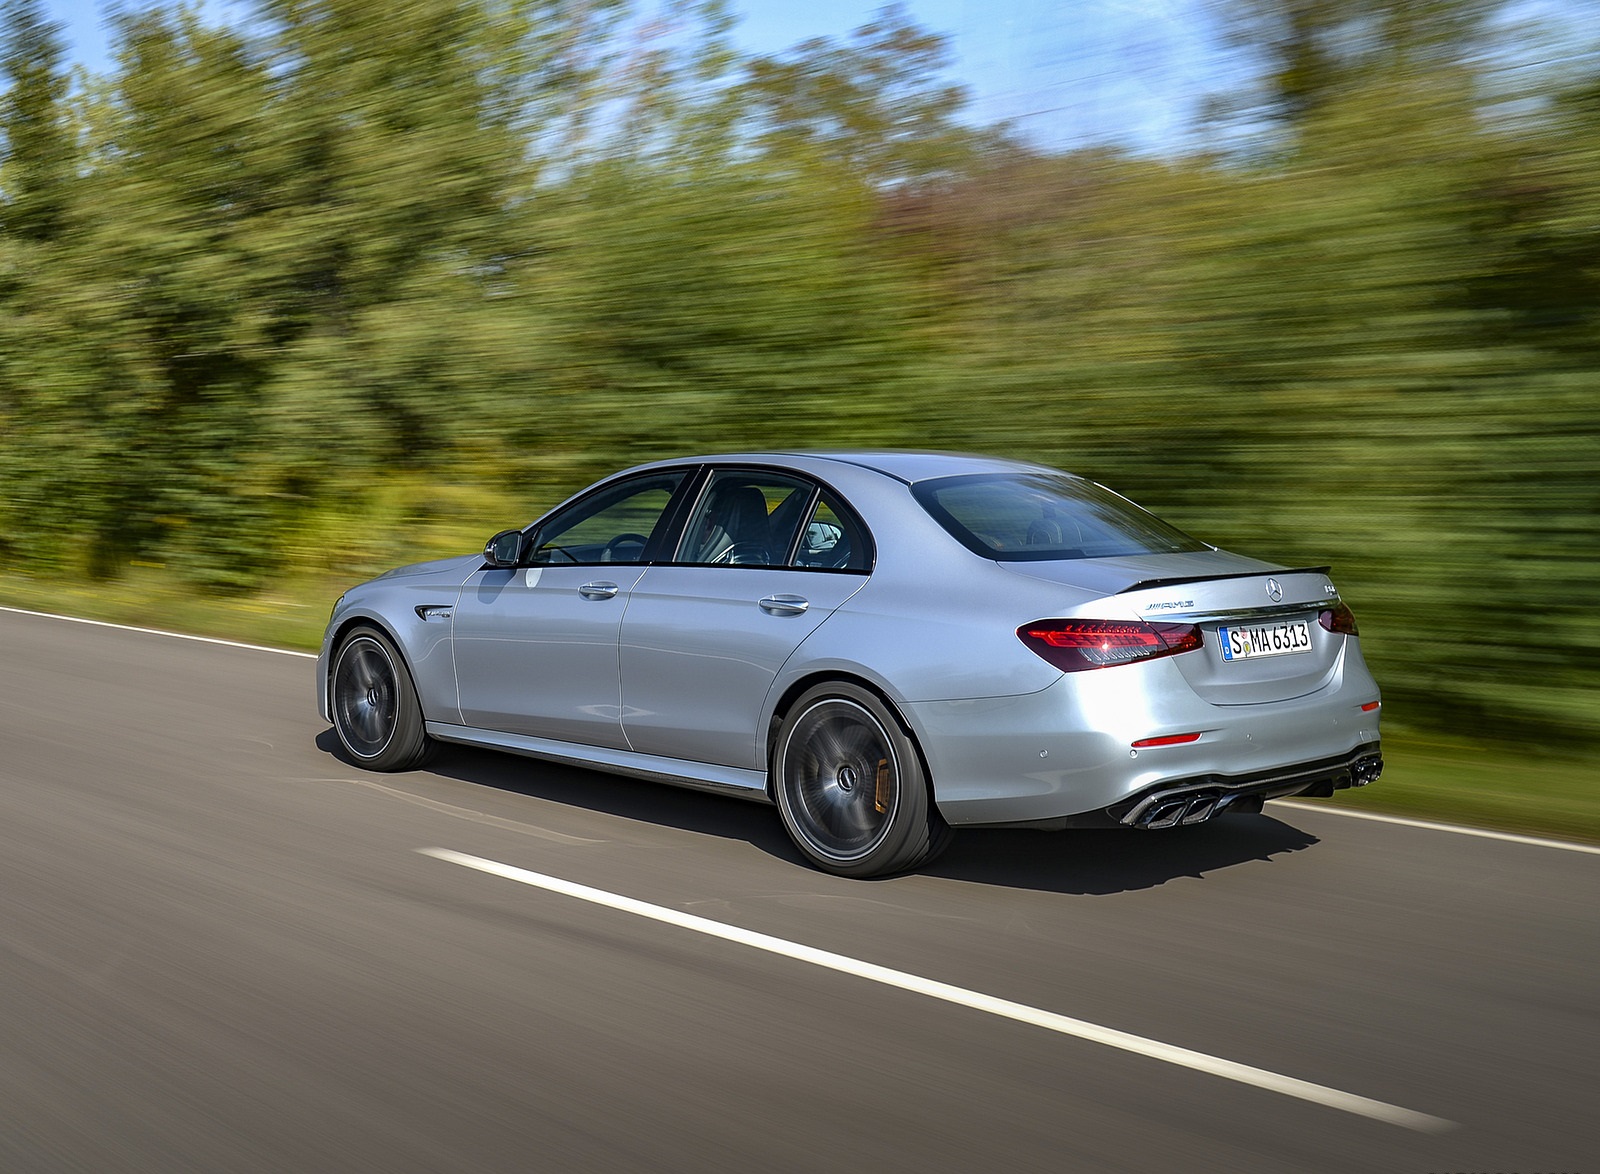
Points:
[375,709]
[850,785]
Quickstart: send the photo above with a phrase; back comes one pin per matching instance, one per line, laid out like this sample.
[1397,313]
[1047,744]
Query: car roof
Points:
[903,465]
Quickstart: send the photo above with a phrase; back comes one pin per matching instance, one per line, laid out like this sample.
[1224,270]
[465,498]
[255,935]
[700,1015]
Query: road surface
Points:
[224,949]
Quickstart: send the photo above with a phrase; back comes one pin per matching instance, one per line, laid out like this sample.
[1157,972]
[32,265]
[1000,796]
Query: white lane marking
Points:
[1482,833]
[510,825]
[1154,1049]
[50,615]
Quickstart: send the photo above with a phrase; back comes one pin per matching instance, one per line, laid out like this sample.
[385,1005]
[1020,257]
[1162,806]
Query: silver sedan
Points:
[884,645]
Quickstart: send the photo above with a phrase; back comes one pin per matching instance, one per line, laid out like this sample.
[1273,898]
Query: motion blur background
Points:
[293,291]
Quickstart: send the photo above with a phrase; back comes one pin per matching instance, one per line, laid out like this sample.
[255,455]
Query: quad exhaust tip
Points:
[1191,804]
[1172,811]
[1191,807]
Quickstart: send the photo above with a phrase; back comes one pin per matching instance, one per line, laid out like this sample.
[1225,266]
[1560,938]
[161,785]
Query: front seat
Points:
[737,529]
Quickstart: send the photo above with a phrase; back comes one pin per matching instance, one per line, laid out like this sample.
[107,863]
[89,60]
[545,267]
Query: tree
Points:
[37,167]
[876,104]
[37,177]
[1308,53]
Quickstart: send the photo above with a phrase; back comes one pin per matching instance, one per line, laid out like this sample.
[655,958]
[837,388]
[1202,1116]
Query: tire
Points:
[851,788]
[374,704]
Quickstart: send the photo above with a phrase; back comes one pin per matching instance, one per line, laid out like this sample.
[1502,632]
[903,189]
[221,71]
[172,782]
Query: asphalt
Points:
[222,950]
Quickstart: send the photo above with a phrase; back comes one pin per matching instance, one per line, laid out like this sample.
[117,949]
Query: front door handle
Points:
[784,605]
[598,590]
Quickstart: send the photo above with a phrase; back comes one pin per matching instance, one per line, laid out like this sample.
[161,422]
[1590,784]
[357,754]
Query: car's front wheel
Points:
[375,709]
[850,785]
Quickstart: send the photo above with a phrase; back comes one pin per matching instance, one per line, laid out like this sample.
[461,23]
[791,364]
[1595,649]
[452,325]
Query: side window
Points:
[832,539]
[745,518]
[612,526]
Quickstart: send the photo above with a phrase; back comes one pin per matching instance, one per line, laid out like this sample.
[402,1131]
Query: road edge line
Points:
[50,615]
[1457,829]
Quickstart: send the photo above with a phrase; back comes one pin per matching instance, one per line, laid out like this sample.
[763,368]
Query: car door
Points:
[765,558]
[536,645]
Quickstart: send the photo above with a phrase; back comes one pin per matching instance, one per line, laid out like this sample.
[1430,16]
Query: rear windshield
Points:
[1019,517]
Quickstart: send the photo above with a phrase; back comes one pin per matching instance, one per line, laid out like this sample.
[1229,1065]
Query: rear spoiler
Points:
[1143,584]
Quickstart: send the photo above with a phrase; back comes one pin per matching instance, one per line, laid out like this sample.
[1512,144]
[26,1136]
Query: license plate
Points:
[1249,642]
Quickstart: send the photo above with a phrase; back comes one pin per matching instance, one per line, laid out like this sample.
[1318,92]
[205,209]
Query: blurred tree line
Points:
[257,277]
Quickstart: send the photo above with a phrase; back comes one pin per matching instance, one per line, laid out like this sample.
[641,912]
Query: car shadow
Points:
[1087,862]
[1099,862]
[607,794]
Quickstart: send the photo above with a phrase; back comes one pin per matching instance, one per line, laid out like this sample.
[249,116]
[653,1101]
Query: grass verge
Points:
[1507,788]
[1426,775]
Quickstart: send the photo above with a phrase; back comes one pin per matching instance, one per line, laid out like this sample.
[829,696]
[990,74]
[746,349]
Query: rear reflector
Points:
[1166,740]
[1075,645]
[1370,706]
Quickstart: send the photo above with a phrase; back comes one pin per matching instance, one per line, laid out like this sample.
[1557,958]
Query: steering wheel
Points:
[745,554]
[622,540]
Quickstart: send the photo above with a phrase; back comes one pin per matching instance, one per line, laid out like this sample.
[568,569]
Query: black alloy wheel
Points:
[851,788]
[375,709]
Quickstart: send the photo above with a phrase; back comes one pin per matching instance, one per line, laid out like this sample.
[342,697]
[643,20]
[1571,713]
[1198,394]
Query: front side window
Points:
[614,525]
[1019,517]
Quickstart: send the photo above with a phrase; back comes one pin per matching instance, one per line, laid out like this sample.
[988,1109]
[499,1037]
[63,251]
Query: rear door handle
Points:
[598,590]
[784,605]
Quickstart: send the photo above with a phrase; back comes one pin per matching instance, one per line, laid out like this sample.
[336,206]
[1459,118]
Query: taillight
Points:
[1075,645]
[1340,619]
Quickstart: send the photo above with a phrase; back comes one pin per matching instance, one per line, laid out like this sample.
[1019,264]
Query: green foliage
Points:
[343,285]
[36,174]
[723,302]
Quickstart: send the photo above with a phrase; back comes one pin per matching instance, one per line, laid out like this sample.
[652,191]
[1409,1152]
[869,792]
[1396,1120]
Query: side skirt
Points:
[698,776]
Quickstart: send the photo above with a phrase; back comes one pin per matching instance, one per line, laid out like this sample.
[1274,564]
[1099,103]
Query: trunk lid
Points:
[1259,621]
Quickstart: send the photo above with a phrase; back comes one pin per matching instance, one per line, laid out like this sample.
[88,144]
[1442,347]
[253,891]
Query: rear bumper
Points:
[1070,755]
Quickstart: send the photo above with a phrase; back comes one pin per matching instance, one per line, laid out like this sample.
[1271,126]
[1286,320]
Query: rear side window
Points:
[1021,517]
[745,518]
[764,518]
[832,540]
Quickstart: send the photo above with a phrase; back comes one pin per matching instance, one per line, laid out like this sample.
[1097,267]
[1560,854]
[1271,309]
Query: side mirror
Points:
[822,536]
[504,549]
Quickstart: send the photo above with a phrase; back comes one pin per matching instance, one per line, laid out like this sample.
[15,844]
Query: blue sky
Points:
[1064,72]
